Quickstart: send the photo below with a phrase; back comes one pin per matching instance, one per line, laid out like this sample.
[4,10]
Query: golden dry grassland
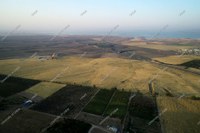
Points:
[102,72]
[182,115]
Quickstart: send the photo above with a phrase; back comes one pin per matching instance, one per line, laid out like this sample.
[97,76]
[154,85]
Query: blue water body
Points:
[145,34]
[178,34]
[165,35]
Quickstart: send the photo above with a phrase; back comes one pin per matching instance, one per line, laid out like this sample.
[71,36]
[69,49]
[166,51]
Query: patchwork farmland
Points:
[120,89]
[67,97]
[107,101]
[99,102]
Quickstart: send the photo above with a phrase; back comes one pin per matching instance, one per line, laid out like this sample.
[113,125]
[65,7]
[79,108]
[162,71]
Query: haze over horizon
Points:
[178,18]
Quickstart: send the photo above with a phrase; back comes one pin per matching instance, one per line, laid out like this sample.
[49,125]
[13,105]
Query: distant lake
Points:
[180,34]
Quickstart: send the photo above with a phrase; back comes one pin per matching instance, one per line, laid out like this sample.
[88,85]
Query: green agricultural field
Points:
[99,102]
[45,89]
[120,101]
[176,59]
[193,64]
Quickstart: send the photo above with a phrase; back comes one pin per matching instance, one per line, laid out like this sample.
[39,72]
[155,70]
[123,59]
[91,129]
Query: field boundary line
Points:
[42,113]
[108,103]
[160,113]
[87,103]
[80,105]
[16,111]
[11,115]
[132,95]
[176,67]
[158,109]
[55,120]
[107,117]
[98,127]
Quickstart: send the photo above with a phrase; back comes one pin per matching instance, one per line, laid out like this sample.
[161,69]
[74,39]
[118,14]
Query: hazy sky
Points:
[52,16]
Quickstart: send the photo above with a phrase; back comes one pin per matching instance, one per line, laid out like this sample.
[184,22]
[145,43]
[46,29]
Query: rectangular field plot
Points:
[143,106]
[14,85]
[120,101]
[73,97]
[143,115]
[182,115]
[26,121]
[11,102]
[45,89]
[99,102]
